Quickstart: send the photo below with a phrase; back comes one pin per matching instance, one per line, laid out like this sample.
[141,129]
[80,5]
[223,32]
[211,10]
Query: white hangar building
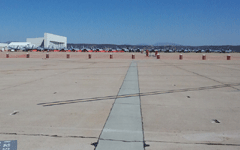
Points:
[49,40]
[3,46]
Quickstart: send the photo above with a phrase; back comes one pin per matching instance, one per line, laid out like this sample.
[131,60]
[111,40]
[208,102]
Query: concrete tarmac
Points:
[52,104]
[196,105]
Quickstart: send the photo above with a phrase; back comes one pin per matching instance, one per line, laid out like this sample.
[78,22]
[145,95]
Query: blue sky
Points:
[186,22]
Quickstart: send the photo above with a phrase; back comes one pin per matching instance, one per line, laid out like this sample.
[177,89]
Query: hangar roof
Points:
[19,43]
[3,44]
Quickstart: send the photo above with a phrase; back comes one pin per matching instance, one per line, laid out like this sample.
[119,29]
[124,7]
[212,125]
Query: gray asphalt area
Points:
[76,104]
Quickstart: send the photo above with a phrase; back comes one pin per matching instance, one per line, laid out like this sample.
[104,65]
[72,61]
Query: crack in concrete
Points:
[198,74]
[137,94]
[69,136]
[206,143]
[206,77]
[48,135]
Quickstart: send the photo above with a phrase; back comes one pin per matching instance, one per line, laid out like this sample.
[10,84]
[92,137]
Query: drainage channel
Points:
[123,128]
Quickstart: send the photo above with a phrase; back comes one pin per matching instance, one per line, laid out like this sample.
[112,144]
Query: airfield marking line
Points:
[125,119]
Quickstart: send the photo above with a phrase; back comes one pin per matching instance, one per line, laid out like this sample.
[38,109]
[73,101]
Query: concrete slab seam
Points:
[144,142]
[110,111]
[124,123]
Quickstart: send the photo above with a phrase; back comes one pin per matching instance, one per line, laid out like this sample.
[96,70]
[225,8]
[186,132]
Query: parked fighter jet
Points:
[118,49]
[13,48]
[200,51]
[86,49]
[16,48]
[125,49]
[209,51]
[94,49]
[49,48]
[138,50]
[108,49]
[39,48]
[168,51]
[101,50]
[74,49]
[181,50]
[63,49]
[228,51]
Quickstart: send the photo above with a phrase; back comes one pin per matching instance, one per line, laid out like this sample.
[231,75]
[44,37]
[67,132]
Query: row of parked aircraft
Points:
[193,51]
[92,49]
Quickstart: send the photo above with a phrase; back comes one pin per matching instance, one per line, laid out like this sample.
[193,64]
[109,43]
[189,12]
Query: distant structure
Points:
[49,40]
[3,46]
[19,43]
